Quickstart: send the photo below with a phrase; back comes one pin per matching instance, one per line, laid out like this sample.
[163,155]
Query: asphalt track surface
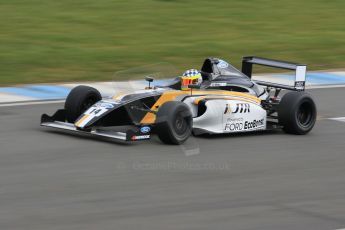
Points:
[49,180]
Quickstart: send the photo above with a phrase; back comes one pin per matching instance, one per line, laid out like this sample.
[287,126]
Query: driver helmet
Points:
[190,77]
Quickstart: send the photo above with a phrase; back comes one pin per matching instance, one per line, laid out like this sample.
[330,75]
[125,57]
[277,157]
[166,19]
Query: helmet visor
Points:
[186,81]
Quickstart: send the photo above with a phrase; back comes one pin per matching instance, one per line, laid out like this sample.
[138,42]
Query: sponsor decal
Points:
[222,64]
[242,108]
[105,105]
[218,84]
[299,84]
[240,119]
[239,125]
[142,137]
[253,124]
[227,109]
[95,111]
[113,102]
[235,126]
[145,129]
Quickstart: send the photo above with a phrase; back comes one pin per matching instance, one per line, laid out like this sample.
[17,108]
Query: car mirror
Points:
[149,80]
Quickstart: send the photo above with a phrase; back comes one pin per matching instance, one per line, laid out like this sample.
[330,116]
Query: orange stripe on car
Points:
[226,97]
[119,96]
[80,121]
[150,118]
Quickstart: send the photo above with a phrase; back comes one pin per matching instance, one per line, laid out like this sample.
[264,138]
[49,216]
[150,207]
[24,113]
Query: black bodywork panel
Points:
[214,71]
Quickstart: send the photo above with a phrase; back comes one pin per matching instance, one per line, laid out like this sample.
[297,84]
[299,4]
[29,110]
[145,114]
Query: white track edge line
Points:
[30,103]
[337,118]
[11,104]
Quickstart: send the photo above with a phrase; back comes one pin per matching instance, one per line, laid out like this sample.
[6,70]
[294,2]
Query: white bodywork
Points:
[228,116]
[224,113]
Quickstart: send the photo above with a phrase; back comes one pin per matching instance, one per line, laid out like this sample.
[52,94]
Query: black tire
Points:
[297,113]
[174,122]
[79,100]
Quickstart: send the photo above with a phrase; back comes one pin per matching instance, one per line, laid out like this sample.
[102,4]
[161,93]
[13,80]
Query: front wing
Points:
[122,133]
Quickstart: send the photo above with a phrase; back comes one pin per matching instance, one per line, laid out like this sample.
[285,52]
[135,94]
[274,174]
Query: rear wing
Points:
[300,71]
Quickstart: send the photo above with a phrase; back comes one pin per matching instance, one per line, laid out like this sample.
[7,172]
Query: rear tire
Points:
[174,122]
[297,113]
[79,100]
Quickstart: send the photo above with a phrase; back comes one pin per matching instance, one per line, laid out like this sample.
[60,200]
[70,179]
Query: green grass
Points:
[57,41]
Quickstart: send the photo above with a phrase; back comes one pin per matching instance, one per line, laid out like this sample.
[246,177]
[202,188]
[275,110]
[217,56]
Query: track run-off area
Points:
[268,180]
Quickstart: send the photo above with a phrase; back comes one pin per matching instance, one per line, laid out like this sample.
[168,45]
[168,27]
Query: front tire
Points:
[297,113]
[79,100]
[174,122]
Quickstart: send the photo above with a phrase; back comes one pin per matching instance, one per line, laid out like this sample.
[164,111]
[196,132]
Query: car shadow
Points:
[85,136]
[155,140]
[239,135]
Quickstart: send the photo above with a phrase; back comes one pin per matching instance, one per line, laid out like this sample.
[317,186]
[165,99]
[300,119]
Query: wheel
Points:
[297,113]
[174,122]
[79,100]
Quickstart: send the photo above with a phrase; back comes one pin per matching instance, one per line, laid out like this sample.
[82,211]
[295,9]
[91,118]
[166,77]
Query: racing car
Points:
[227,101]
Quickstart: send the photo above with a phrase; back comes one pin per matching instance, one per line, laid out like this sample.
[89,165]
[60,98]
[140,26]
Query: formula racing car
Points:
[227,101]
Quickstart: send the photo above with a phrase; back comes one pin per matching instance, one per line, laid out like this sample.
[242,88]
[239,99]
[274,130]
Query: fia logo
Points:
[242,108]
